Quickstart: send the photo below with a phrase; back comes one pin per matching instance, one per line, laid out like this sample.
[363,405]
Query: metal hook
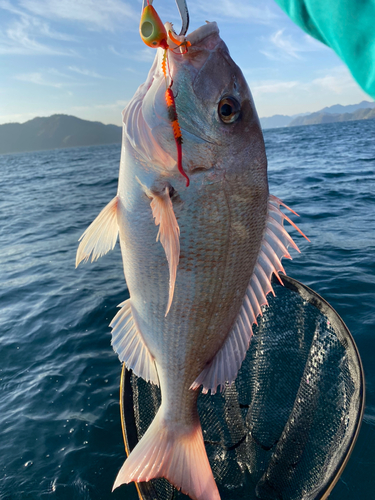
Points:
[184,14]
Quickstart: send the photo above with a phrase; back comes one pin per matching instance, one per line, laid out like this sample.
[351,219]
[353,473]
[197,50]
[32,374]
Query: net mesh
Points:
[285,427]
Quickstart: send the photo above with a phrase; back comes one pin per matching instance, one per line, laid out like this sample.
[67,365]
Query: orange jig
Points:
[154,34]
[152,29]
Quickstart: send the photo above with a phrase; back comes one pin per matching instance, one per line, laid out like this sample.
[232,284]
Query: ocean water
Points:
[60,432]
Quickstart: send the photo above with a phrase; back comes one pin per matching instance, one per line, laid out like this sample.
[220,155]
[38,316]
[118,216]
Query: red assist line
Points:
[172,115]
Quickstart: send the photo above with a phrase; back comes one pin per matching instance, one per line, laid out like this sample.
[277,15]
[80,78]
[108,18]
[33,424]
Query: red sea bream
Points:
[197,260]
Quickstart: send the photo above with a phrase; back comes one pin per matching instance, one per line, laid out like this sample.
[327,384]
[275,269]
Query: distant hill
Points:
[56,131]
[336,113]
[275,121]
[350,108]
[65,131]
[319,117]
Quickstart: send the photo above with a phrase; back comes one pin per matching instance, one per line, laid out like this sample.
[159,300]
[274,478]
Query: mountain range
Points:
[56,131]
[64,131]
[365,110]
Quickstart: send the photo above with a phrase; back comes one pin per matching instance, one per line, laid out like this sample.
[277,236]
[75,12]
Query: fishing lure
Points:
[151,28]
[154,34]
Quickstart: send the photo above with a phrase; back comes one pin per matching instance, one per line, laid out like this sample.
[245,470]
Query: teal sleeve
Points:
[347,26]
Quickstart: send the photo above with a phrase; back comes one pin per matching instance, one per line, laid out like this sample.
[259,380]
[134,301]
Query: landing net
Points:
[285,429]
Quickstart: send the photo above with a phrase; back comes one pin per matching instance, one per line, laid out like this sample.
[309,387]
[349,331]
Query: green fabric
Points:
[347,26]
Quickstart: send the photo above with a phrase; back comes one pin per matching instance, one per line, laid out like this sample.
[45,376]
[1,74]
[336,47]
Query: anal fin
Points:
[100,236]
[128,343]
[227,361]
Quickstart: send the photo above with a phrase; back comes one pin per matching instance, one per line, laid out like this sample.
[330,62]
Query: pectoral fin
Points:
[100,236]
[169,235]
[226,363]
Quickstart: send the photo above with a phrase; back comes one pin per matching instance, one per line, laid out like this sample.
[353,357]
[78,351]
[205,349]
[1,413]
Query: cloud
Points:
[272,87]
[22,36]
[286,44]
[38,79]
[143,55]
[289,97]
[115,51]
[108,106]
[31,22]
[29,31]
[51,77]
[5,5]
[236,11]
[29,47]
[337,81]
[99,15]
[281,45]
[311,44]
[85,72]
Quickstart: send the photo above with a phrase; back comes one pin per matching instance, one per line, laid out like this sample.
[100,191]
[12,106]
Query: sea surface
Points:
[60,431]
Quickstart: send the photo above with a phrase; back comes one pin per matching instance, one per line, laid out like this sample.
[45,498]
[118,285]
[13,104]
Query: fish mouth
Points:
[203,32]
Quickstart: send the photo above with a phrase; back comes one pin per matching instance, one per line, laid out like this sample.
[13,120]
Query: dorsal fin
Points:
[225,365]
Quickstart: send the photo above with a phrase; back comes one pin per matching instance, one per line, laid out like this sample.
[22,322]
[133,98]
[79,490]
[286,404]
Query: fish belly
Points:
[221,226]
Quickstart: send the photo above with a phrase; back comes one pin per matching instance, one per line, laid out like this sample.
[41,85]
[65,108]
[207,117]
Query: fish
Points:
[197,260]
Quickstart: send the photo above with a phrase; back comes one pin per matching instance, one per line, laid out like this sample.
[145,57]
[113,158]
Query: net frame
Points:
[147,490]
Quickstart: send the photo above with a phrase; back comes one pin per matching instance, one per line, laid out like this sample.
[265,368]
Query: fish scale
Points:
[198,260]
[208,305]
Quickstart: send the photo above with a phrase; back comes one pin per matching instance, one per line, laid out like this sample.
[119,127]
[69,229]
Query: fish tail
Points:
[175,452]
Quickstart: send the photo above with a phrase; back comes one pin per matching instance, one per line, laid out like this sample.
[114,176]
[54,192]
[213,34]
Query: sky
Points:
[86,58]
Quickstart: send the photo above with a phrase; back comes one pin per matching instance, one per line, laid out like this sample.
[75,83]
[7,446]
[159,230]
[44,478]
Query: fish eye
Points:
[229,109]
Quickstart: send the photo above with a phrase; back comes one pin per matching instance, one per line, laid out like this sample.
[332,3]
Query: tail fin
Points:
[176,453]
